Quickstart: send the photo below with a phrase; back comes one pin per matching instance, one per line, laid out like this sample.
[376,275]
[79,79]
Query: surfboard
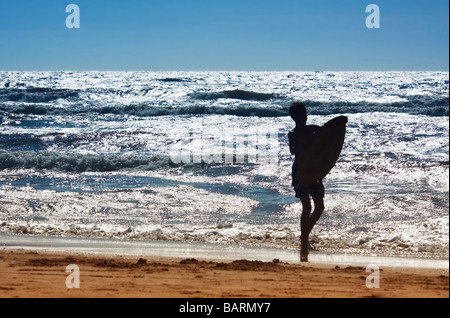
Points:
[322,152]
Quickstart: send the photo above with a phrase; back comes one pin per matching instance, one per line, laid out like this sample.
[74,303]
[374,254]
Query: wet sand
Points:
[42,274]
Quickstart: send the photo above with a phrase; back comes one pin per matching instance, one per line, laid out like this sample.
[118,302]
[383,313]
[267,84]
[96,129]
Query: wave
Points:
[36,94]
[435,108]
[146,110]
[48,160]
[173,79]
[21,142]
[415,105]
[46,101]
[357,238]
[235,94]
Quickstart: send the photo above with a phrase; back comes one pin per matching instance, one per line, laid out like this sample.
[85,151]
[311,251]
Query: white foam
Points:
[205,251]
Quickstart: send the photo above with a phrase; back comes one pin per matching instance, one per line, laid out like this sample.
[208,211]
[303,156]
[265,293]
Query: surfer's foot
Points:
[303,256]
[304,251]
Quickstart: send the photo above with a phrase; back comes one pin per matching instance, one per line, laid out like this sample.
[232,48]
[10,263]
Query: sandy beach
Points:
[42,274]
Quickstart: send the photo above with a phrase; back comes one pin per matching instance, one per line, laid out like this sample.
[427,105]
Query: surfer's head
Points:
[297,111]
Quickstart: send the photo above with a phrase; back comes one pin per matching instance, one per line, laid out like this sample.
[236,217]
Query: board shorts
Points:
[314,190]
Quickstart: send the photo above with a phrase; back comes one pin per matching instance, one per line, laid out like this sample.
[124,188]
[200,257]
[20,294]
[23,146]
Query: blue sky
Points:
[254,35]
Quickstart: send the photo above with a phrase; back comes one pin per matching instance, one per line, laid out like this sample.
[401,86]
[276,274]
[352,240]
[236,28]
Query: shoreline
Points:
[207,251]
[37,271]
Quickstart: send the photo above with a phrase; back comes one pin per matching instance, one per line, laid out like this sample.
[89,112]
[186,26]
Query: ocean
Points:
[203,157]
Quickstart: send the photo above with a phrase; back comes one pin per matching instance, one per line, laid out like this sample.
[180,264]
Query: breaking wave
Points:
[243,103]
[48,160]
[428,107]
[36,94]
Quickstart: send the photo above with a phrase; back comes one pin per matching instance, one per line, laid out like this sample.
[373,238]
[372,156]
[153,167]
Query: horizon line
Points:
[219,70]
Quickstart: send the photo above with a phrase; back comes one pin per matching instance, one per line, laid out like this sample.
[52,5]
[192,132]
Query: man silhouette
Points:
[299,138]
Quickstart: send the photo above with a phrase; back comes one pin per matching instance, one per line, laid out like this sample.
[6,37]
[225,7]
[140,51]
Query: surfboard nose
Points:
[343,119]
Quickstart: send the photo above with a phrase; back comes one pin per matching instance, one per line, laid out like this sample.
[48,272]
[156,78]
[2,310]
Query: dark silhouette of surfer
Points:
[298,140]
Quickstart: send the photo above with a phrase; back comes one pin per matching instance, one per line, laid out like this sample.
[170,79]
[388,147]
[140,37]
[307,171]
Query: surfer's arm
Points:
[297,141]
[292,147]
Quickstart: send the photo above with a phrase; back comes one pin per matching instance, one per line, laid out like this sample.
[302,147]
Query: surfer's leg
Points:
[304,227]
[305,217]
[317,191]
[317,213]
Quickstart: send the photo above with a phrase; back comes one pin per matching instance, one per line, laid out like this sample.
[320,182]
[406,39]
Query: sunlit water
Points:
[92,155]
